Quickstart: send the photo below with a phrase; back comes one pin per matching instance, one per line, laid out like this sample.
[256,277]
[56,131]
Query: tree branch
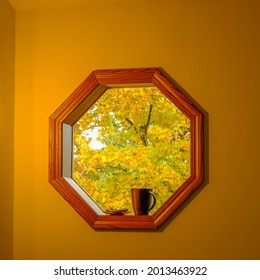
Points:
[142,131]
[131,123]
[149,118]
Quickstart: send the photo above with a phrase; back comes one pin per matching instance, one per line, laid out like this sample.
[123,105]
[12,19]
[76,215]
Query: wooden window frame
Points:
[60,146]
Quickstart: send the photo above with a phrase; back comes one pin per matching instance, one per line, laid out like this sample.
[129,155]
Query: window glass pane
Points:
[131,137]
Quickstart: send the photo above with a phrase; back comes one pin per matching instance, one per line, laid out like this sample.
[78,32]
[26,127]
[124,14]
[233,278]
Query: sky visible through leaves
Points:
[131,137]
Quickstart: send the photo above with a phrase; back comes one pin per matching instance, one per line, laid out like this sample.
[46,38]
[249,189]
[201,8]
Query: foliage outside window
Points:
[131,137]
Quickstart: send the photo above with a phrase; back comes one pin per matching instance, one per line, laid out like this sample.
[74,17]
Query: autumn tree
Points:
[131,137]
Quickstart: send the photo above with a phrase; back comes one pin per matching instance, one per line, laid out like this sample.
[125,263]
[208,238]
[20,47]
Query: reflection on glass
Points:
[131,137]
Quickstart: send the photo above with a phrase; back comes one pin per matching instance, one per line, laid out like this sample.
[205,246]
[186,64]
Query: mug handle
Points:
[154,200]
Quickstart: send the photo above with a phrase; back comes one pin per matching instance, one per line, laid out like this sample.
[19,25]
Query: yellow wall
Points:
[7,36]
[211,48]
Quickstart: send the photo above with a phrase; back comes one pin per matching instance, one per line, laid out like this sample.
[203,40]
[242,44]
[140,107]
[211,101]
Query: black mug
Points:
[143,200]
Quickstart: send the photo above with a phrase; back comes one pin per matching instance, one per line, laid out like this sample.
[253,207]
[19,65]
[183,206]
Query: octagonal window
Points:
[123,130]
[131,138]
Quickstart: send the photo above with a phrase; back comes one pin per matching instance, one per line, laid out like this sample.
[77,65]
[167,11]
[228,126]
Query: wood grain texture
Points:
[79,101]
